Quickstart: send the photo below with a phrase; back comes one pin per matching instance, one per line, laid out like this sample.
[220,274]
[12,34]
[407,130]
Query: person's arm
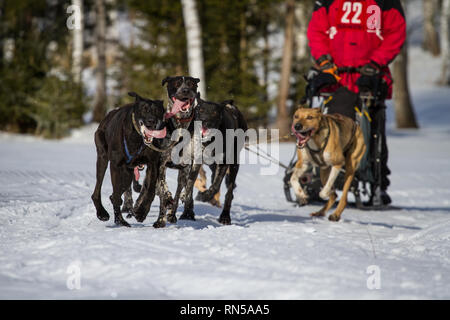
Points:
[393,33]
[319,40]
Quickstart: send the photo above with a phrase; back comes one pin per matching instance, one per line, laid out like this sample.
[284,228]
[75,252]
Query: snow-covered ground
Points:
[49,234]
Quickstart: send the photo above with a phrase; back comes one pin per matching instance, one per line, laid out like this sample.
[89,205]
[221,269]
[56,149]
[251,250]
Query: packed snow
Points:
[51,238]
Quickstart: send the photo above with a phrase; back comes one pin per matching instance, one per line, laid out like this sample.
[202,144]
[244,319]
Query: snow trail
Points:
[273,250]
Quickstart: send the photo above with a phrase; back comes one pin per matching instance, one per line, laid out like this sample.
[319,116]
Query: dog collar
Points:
[133,119]
[184,120]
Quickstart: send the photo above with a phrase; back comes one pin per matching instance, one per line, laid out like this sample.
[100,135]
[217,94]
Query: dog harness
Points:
[315,154]
[127,152]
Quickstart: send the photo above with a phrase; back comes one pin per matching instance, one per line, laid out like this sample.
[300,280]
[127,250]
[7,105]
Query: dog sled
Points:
[367,181]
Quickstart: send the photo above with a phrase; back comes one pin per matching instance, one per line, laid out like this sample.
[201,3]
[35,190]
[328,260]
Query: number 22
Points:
[348,8]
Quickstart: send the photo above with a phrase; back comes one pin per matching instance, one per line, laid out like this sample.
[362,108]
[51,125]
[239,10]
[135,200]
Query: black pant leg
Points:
[378,127]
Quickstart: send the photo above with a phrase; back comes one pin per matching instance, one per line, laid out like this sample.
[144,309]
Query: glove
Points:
[322,80]
[370,80]
[323,75]
[326,65]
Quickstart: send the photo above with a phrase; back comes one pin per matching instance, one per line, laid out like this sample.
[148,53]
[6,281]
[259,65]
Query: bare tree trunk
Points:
[266,58]
[100,45]
[283,120]
[2,30]
[243,42]
[431,38]
[113,35]
[302,15]
[445,43]
[132,18]
[77,53]
[404,112]
[194,43]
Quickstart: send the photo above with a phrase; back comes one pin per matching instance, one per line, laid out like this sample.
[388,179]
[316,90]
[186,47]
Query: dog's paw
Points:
[188,215]
[119,220]
[102,215]
[317,214]
[139,215]
[215,203]
[225,219]
[334,217]
[205,196]
[160,223]
[171,218]
[302,200]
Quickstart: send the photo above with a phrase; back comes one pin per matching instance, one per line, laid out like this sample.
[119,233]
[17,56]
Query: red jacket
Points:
[355,32]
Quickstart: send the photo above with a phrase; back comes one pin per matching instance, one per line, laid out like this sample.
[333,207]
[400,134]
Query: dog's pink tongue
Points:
[178,105]
[301,139]
[204,131]
[136,173]
[158,134]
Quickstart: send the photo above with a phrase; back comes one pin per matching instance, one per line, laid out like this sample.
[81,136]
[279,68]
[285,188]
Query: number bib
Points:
[352,15]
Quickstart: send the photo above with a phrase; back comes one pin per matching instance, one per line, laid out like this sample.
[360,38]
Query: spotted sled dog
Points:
[221,117]
[182,93]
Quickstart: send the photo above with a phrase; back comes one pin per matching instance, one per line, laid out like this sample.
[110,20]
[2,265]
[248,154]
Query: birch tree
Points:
[77,47]
[100,45]
[194,43]
[302,16]
[283,120]
[445,43]
[113,33]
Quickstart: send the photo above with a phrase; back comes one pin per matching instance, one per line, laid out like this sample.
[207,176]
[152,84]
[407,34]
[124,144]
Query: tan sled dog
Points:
[331,142]
[200,184]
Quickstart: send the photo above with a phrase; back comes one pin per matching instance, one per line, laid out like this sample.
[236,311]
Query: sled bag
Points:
[343,101]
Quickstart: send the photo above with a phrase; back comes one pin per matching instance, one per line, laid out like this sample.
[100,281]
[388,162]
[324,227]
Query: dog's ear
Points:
[165,80]
[197,80]
[199,99]
[134,95]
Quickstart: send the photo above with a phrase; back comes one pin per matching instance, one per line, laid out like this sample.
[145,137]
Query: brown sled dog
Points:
[200,184]
[331,142]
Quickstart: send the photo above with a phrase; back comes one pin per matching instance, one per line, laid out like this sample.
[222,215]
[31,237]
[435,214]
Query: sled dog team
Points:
[141,134]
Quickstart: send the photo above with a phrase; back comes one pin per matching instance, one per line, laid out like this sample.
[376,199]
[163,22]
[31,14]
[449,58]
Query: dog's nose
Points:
[150,123]
[298,126]
[185,90]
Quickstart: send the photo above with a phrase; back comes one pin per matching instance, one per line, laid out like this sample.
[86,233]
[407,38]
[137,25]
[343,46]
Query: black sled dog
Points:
[122,139]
